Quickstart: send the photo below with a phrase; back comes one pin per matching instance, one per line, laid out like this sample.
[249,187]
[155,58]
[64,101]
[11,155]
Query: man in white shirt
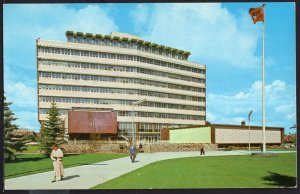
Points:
[57,156]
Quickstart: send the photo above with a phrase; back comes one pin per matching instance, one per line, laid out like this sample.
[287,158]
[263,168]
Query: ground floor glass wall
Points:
[145,131]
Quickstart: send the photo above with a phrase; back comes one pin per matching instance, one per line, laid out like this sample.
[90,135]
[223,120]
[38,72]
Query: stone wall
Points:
[94,148]
[148,148]
[177,147]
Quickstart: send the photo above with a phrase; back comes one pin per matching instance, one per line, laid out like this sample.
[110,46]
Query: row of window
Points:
[60,111]
[123,102]
[120,80]
[160,115]
[147,126]
[120,69]
[118,56]
[143,114]
[125,44]
[128,126]
[119,91]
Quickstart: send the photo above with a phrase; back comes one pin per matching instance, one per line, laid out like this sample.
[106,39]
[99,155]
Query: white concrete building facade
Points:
[113,71]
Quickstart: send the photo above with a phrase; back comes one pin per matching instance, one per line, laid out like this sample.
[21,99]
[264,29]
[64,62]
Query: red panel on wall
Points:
[92,122]
[165,134]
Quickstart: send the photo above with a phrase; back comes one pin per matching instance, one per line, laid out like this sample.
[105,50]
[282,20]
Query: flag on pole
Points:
[257,14]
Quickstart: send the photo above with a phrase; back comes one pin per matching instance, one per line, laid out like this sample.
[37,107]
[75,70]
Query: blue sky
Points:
[221,36]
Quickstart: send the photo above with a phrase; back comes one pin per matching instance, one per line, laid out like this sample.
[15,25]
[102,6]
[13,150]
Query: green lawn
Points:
[35,163]
[211,172]
[268,149]
[31,149]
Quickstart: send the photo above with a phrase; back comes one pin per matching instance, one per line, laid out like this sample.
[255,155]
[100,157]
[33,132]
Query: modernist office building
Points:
[112,72]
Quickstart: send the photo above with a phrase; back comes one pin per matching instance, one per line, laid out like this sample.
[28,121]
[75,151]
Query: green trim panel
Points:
[116,38]
[191,135]
[79,33]
[69,33]
[98,36]
[147,43]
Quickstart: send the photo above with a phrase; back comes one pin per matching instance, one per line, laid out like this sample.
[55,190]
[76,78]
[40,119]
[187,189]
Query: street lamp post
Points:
[132,129]
[249,126]
[293,127]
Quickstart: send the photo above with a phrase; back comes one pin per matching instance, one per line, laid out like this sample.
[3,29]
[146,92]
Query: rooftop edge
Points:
[128,38]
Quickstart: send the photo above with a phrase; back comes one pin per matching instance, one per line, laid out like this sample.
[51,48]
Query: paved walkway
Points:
[87,176]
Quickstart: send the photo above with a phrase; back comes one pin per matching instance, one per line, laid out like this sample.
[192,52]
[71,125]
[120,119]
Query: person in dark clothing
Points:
[132,152]
[141,148]
[202,150]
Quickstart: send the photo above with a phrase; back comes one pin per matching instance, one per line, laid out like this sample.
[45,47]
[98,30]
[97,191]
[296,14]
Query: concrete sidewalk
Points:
[87,176]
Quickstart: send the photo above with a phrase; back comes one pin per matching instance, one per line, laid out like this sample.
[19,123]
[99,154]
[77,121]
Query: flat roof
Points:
[227,126]
[244,126]
[128,38]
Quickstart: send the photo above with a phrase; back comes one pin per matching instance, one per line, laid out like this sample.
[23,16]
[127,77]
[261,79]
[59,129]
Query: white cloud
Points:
[280,105]
[291,117]
[92,19]
[50,21]
[22,25]
[226,120]
[140,16]
[208,30]
[21,95]
[288,110]
[27,119]
[284,108]
[211,117]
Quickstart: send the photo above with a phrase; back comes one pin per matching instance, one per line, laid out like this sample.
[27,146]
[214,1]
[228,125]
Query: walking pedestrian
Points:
[202,150]
[57,156]
[132,152]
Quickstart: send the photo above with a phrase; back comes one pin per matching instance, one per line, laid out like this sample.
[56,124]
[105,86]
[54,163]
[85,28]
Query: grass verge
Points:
[211,172]
[27,164]
[31,149]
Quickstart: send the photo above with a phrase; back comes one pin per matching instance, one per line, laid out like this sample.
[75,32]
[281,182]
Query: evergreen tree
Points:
[13,141]
[52,132]
[61,138]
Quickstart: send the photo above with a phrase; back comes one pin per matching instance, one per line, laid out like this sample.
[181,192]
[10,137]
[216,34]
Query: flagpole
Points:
[263,86]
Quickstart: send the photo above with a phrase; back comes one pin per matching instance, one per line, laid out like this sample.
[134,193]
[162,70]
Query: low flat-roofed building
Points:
[224,135]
